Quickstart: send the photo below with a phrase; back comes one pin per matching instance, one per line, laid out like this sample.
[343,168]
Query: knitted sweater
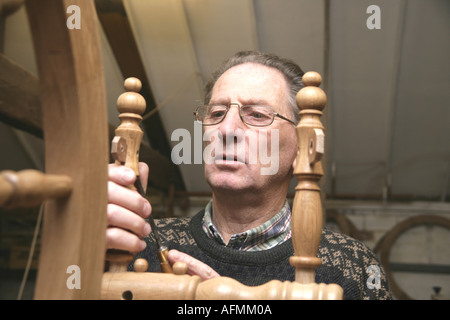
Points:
[345,261]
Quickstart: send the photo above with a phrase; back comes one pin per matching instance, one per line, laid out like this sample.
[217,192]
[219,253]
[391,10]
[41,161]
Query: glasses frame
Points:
[275,114]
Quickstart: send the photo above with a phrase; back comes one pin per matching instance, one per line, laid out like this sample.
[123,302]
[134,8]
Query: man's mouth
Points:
[228,159]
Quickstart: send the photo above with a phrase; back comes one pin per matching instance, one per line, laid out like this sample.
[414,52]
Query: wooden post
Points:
[125,150]
[73,101]
[307,216]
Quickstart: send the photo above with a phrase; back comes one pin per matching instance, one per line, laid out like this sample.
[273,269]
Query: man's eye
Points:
[257,115]
[217,114]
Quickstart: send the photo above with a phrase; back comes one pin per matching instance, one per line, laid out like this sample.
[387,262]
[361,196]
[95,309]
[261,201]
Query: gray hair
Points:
[290,70]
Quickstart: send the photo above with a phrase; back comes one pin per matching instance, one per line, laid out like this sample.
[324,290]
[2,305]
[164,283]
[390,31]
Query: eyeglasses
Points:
[253,115]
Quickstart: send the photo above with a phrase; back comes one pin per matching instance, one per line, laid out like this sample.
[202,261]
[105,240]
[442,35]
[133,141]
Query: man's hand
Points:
[126,210]
[194,266]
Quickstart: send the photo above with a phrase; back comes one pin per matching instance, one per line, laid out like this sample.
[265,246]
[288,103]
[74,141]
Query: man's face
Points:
[252,158]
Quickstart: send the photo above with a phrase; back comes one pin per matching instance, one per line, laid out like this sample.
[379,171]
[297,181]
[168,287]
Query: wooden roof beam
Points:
[20,107]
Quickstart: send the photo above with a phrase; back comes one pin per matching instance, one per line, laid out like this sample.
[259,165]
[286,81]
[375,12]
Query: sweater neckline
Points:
[227,255]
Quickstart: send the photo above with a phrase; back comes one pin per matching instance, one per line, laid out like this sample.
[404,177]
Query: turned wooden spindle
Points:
[307,207]
[125,151]
[165,286]
[131,106]
[29,188]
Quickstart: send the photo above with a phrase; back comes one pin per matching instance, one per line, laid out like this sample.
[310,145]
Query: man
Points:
[244,231]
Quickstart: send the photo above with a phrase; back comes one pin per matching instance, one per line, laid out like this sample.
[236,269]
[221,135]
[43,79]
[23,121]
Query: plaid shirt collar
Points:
[266,236]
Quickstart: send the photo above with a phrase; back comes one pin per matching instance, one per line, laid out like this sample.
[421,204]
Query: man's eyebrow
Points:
[219,101]
[244,102]
[255,102]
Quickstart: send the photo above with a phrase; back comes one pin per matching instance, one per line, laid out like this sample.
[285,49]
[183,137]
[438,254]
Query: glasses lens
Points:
[257,115]
[212,114]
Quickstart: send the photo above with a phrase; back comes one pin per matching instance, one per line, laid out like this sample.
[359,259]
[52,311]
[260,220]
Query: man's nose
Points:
[232,126]
[232,119]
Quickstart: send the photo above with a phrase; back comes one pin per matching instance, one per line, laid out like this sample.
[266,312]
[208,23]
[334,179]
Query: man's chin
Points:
[228,183]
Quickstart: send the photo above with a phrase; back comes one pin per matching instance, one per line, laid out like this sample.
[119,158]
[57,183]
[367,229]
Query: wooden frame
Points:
[73,103]
[74,110]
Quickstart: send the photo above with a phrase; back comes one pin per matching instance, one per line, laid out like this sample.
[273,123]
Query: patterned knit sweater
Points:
[345,261]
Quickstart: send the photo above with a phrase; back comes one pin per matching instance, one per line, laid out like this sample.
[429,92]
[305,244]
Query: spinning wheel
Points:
[75,126]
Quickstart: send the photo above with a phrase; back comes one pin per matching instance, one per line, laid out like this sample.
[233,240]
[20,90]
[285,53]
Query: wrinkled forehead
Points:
[252,83]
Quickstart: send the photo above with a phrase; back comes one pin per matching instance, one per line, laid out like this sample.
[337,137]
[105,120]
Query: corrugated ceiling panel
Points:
[219,29]
[421,153]
[165,44]
[362,76]
[293,29]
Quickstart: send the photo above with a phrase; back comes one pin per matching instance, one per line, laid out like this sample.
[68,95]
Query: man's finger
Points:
[120,217]
[143,174]
[121,175]
[194,266]
[128,199]
[120,239]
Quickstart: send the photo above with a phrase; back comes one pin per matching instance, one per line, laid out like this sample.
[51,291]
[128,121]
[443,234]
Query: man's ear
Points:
[295,162]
